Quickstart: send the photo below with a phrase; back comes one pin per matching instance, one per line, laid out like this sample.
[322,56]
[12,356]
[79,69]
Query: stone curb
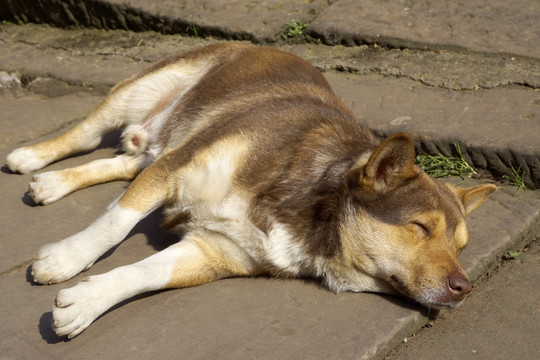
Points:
[496,26]
[239,20]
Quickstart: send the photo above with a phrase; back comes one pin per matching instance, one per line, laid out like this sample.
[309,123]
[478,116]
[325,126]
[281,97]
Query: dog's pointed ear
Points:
[473,197]
[390,164]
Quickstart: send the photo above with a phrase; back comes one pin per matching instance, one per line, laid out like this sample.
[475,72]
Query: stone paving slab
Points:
[437,68]
[494,26]
[216,320]
[497,128]
[442,69]
[120,45]
[229,319]
[87,70]
[255,20]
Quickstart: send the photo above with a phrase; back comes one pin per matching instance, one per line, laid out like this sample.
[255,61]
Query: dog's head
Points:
[404,230]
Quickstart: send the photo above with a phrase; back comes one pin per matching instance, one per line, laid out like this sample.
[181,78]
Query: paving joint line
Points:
[421,47]
[82,52]
[22,266]
[381,71]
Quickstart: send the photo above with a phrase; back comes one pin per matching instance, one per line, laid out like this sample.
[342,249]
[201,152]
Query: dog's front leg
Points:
[201,257]
[62,260]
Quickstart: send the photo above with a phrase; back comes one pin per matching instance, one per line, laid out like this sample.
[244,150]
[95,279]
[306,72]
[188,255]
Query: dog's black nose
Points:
[459,285]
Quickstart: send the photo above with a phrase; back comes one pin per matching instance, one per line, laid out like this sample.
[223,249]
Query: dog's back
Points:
[299,142]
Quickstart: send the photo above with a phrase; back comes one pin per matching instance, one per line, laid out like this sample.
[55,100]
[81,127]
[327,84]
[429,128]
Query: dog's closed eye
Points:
[422,228]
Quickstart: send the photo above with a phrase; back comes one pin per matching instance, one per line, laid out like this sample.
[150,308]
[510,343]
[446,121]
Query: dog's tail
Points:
[135,139]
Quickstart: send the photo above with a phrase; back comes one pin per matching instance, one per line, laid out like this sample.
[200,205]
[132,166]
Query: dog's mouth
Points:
[450,294]
[400,286]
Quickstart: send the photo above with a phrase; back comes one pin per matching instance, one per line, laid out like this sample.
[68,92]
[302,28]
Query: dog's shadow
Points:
[398,300]
[46,331]
[156,236]
[409,304]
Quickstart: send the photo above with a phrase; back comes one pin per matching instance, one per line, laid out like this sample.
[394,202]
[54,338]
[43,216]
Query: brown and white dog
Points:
[264,169]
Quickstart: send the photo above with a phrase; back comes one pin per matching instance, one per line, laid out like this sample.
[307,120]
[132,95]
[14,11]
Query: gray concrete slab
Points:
[143,47]
[85,70]
[238,19]
[479,25]
[437,68]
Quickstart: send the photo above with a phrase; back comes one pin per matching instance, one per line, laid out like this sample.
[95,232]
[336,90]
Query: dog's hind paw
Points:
[58,262]
[77,307]
[47,187]
[24,160]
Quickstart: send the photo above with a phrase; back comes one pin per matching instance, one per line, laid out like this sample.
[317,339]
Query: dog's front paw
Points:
[77,307]
[47,187]
[59,262]
[24,160]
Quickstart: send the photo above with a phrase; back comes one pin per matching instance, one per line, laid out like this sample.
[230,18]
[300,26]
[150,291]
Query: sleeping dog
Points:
[265,171]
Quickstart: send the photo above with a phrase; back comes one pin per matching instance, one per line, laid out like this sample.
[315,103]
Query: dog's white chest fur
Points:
[207,191]
[276,248]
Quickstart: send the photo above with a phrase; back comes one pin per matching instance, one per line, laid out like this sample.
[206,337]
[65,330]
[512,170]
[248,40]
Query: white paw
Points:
[60,261]
[77,307]
[24,160]
[47,187]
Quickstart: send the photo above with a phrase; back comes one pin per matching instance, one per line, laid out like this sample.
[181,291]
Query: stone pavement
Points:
[444,73]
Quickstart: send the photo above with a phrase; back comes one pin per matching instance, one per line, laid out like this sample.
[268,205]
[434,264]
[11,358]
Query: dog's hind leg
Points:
[201,257]
[145,100]
[86,135]
[50,186]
